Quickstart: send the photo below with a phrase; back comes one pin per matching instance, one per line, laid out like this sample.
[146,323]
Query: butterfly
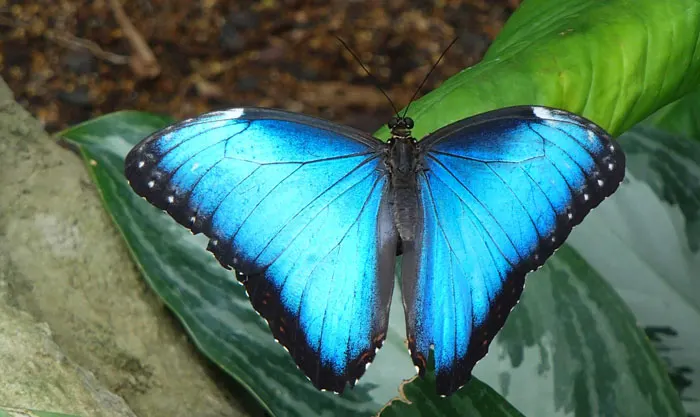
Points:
[311,216]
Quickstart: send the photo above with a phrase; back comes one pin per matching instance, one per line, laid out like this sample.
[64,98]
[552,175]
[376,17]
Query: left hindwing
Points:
[298,207]
[499,193]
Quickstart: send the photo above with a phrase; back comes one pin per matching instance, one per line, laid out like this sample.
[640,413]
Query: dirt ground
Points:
[70,60]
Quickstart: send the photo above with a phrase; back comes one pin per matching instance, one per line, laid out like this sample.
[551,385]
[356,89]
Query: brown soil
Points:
[70,60]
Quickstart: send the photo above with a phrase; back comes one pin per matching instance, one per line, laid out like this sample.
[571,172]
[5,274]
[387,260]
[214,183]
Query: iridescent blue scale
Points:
[311,215]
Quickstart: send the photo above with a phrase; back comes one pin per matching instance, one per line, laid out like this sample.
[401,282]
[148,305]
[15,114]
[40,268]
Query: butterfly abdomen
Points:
[403,165]
[405,204]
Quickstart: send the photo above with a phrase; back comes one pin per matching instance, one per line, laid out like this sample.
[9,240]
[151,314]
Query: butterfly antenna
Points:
[428,74]
[376,81]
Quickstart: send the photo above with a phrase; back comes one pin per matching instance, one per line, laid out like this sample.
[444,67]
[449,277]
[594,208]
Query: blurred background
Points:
[70,60]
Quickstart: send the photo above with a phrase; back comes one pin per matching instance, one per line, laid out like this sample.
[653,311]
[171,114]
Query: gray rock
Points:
[112,347]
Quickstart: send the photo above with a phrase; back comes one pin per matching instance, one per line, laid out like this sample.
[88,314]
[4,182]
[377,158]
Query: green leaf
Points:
[24,412]
[680,347]
[572,347]
[614,62]
[681,117]
[652,225]
[474,400]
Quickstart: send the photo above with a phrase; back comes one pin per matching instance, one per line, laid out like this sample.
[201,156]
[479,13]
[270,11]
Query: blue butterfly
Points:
[311,216]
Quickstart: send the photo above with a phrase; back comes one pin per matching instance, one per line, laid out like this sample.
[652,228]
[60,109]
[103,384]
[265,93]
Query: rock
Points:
[36,374]
[113,347]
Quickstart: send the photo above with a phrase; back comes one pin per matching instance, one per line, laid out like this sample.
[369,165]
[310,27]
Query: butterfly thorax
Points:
[403,162]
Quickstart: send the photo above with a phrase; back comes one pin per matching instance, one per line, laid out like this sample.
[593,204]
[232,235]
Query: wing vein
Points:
[330,187]
[172,173]
[467,158]
[228,193]
[453,255]
[517,198]
[474,221]
[330,250]
[194,185]
[583,171]
[549,201]
[330,158]
[571,190]
[480,203]
[161,156]
[255,207]
[576,142]
[313,218]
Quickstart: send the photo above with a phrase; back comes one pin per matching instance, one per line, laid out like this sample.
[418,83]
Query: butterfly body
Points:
[403,163]
[311,214]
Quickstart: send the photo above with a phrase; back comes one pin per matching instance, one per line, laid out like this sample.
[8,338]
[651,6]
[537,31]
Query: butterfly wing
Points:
[499,194]
[297,206]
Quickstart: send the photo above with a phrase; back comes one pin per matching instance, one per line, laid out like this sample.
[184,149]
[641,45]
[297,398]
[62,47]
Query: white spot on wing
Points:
[171,199]
[551,114]
[611,166]
[194,167]
[543,113]
[232,113]
[222,118]
[141,164]
[151,184]
[600,183]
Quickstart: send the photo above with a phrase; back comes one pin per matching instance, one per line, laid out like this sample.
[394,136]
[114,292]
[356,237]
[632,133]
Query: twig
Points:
[71,41]
[143,62]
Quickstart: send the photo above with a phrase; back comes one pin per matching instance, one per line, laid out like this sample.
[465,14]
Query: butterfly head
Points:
[401,126]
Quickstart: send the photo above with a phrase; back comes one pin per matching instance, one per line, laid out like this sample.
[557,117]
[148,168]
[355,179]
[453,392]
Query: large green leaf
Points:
[572,347]
[681,117]
[614,62]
